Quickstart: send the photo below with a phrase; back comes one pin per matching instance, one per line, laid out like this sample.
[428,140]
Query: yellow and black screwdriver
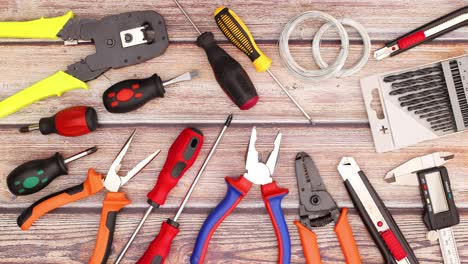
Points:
[239,35]
[229,74]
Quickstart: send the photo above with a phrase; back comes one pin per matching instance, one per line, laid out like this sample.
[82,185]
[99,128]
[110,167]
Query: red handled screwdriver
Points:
[34,175]
[180,158]
[229,74]
[130,95]
[70,122]
[161,245]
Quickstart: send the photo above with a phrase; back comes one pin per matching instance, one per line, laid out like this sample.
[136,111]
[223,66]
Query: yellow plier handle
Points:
[54,85]
[42,28]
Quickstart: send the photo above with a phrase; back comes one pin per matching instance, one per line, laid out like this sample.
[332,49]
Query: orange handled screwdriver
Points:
[182,154]
[161,245]
[237,32]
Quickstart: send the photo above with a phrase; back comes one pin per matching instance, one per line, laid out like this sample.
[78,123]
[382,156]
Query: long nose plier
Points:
[95,182]
[257,173]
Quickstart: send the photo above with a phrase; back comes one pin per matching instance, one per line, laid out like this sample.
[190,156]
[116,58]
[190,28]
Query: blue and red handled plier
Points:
[257,173]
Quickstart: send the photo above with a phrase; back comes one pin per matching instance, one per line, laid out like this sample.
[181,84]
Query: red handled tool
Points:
[70,122]
[181,156]
[429,31]
[95,182]
[130,95]
[159,248]
[229,74]
[257,173]
[375,215]
[317,209]
[34,175]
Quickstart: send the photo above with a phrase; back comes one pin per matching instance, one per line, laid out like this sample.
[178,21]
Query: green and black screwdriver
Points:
[35,175]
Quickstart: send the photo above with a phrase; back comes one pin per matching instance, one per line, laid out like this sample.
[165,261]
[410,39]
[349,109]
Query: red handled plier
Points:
[257,173]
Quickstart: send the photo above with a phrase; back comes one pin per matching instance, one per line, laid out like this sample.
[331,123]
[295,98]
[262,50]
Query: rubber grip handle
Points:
[129,95]
[272,197]
[112,204]
[42,28]
[159,248]
[237,189]
[70,122]
[54,85]
[309,244]
[229,74]
[90,186]
[239,34]
[34,175]
[181,156]
[346,238]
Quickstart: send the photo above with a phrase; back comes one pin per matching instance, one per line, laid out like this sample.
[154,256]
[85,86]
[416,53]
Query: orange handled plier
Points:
[95,182]
[317,208]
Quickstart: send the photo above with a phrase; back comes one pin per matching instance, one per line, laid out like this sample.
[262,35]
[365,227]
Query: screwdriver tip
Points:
[193,74]
[92,150]
[228,120]
[24,129]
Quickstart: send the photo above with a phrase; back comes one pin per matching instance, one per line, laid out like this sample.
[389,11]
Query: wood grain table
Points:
[67,235]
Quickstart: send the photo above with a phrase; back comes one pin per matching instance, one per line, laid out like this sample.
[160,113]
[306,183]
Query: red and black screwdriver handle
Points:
[237,189]
[391,243]
[70,122]
[418,35]
[129,95]
[181,156]
[229,74]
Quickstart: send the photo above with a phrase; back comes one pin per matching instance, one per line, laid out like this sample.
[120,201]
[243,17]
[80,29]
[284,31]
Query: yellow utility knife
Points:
[120,40]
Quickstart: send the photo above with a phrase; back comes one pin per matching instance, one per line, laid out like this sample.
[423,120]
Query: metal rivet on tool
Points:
[315,199]
[128,37]
[110,42]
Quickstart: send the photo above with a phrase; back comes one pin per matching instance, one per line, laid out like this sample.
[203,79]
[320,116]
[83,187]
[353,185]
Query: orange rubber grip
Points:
[90,186]
[111,205]
[345,236]
[309,244]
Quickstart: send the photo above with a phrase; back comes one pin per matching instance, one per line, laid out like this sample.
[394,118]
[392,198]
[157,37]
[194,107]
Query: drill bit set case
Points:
[412,105]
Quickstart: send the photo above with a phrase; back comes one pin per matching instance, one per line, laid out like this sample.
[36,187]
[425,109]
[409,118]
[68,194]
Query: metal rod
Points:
[187,16]
[200,172]
[81,154]
[134,234]
[290,97]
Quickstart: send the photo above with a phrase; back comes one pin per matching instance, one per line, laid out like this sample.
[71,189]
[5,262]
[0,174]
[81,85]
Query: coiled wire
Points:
[326,71]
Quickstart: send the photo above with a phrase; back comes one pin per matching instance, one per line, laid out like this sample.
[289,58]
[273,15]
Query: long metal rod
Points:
[290,97]
[200,172]
[137,229]
[187,16]
[80,155]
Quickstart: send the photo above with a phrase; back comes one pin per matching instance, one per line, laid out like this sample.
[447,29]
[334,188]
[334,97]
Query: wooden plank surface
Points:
[67,235]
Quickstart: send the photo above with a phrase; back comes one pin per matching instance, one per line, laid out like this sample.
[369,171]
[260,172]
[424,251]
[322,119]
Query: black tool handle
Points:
[376,236]
[130,95]
[35,175]
[229,74]
[417,37]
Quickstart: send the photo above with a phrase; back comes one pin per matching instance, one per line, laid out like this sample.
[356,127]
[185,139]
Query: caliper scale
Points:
[440,211]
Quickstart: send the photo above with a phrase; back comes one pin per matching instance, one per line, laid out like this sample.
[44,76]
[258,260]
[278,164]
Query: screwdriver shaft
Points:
[291,97]
[187,16]
[202,168]
[81,154]
[28,128]
[134,234]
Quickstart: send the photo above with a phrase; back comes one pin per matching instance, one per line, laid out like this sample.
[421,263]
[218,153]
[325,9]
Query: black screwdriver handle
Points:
[130,95]
[229,74]
[35,175]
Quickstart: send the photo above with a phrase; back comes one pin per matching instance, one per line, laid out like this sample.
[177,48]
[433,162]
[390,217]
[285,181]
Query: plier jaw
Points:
[259,172]
[113,181]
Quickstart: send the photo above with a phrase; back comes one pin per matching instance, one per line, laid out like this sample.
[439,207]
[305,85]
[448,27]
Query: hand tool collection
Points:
[257,173]
[113,202]
[181,156]
[420,103]
[440,211]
